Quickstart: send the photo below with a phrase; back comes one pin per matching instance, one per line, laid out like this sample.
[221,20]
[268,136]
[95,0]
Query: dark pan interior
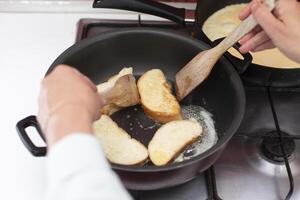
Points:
[144,49]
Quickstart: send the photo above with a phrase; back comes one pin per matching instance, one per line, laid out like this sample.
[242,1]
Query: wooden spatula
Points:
[198,69]
[123,93]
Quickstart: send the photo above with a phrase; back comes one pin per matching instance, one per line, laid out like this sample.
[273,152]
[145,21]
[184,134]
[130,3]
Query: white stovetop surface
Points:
[29,43]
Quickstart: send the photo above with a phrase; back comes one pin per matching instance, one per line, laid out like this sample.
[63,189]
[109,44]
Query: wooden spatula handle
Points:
[245,27]
[198,69]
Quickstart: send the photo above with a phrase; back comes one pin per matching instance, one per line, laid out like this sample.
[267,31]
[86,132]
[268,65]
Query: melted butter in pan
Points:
[209,137]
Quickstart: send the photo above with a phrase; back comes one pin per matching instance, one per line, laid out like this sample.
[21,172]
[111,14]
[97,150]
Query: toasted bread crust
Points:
[119,147]
[112,108]
[153,159]
[168,109]
[171,139]
[109,109]
[161,116]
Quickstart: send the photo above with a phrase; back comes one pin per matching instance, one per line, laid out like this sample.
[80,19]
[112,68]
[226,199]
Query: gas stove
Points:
[262,160]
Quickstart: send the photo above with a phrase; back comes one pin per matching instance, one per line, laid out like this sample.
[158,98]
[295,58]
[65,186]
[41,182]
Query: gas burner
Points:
[243,158]
[263,153]
[271,146]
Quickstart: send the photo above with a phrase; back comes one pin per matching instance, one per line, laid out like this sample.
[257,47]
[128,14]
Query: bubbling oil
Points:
[209,134]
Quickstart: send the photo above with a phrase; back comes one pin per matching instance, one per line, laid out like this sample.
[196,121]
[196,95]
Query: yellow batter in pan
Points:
[222,22]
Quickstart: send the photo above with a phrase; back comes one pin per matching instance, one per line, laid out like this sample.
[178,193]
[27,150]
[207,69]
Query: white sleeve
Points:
[78,170]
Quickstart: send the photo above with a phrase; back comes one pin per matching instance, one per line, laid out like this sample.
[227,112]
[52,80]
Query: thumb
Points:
[272,26]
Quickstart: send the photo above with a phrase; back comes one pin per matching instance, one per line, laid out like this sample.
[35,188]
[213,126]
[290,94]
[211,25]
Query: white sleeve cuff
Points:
[77,169]
[74,153]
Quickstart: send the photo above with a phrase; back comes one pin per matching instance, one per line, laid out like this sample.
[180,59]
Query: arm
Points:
[77,170]
[76,166]
[279,29]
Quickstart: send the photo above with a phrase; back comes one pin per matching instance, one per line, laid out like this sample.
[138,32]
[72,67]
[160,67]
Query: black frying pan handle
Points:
[240,65]
[21,126]
[145,6]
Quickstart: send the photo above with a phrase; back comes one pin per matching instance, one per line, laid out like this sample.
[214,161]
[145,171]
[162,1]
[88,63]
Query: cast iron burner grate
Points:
[211,186]
[91,27]
[277,146]
[285,156]
[271,146]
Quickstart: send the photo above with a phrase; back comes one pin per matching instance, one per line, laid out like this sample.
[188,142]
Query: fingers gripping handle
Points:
[245,27]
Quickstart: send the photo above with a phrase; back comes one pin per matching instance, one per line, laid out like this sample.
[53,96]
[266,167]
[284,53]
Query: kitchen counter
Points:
[29,43]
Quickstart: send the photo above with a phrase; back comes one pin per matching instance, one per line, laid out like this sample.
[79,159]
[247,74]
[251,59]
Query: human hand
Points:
[280,29]
[68,103]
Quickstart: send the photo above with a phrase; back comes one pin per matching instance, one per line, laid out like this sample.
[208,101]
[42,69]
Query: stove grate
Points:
[211,186]
[286,162]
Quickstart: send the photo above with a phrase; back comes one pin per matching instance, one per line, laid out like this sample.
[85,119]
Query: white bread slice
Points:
[170,139]
[156,97]
[118,146]
[112,108]
[112,80]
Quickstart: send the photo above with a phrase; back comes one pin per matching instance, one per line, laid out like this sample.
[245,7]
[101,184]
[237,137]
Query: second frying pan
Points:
[255,74]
